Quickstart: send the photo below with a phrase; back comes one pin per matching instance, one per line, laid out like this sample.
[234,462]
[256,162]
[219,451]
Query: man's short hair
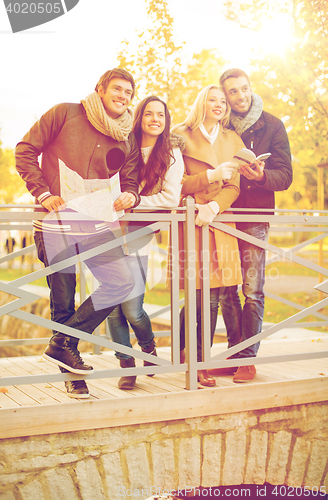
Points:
[115,73]
[233,73]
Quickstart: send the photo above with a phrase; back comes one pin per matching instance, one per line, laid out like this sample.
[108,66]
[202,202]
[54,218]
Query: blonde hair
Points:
[197,113]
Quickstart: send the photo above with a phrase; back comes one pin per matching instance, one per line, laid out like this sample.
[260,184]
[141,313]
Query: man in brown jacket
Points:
[94,139]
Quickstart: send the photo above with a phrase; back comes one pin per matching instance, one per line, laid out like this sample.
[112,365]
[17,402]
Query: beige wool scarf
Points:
[118,128]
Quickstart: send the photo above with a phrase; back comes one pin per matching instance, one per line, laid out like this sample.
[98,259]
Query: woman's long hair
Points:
[161,157]
[197,113]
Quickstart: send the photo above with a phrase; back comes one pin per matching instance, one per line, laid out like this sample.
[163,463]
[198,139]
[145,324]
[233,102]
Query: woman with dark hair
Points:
[160,176]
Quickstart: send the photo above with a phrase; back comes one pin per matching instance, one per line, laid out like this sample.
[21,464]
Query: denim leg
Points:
[182,329]
[232,315]
[132,311]
[139,320]
[109,268]
[115,283]
[61,285]
[119,330]
[253,268]
[214,305]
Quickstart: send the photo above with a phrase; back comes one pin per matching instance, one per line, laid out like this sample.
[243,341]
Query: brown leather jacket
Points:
[65,133]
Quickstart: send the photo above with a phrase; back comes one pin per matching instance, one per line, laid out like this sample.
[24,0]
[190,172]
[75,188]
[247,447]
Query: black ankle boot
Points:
[63,353]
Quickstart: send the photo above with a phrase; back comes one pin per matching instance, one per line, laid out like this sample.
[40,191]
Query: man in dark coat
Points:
[262,133]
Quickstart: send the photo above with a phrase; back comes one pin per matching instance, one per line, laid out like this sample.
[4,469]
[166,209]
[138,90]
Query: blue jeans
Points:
[109,268]
[214,306]
[132,311]
[244,323]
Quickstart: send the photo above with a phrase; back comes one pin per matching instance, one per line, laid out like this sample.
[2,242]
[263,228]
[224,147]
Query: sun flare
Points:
[275,36]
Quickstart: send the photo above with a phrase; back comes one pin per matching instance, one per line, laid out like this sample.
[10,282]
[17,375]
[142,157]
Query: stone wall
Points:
[284,446]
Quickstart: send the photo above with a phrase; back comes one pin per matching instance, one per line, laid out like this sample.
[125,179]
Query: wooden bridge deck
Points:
[45,408]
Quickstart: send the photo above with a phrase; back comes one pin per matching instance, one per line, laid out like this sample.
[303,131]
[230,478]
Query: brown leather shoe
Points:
[244,374]
[129,382]
[205,379]
[221,372]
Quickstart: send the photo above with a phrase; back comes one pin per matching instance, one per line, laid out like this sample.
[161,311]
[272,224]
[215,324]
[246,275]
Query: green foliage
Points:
[294,86]
[161,67]
[157,63]
[202,69]
[11,184]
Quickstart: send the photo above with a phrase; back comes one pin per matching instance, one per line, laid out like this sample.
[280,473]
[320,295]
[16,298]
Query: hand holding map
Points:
[98,195]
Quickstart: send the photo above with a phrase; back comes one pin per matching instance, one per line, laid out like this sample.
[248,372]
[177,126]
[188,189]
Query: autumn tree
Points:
[161,65]
[11,184]
[157,62]
[294,86]
[201,69]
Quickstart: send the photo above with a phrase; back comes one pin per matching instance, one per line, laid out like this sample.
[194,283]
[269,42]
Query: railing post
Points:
[205,290]
[173,260]
[190,294]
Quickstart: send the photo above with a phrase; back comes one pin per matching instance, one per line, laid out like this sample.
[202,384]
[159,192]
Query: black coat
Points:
[267,135]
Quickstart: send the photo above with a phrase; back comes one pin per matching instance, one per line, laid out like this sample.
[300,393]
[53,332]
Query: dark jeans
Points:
[109,268]
[214,305]
[244,323]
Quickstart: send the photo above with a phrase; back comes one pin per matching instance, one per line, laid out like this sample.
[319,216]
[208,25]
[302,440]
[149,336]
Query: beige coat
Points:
[199,155]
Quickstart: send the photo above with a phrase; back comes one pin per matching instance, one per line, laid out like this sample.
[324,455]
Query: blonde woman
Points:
[213,181]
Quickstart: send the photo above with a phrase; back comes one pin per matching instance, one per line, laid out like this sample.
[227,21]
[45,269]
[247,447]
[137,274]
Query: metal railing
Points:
[19,217]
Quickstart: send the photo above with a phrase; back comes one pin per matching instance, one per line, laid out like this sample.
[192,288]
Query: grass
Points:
[13,274]
[275,311]
[289,269]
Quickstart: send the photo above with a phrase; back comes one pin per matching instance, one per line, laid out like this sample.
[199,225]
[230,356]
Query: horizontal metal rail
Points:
[16,217]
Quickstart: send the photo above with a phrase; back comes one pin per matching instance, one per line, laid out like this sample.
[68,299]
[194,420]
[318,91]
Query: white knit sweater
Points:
[169,195]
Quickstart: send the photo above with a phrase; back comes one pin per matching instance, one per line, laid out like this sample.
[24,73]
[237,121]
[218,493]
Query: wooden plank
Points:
[168,386]
[35,365]
[107,390]
[56,390]
[37,391]
[98,392]
[7,402]
[177,379]
[21,394]
[22,399]
[161,407]
[142,387]
[149,387]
